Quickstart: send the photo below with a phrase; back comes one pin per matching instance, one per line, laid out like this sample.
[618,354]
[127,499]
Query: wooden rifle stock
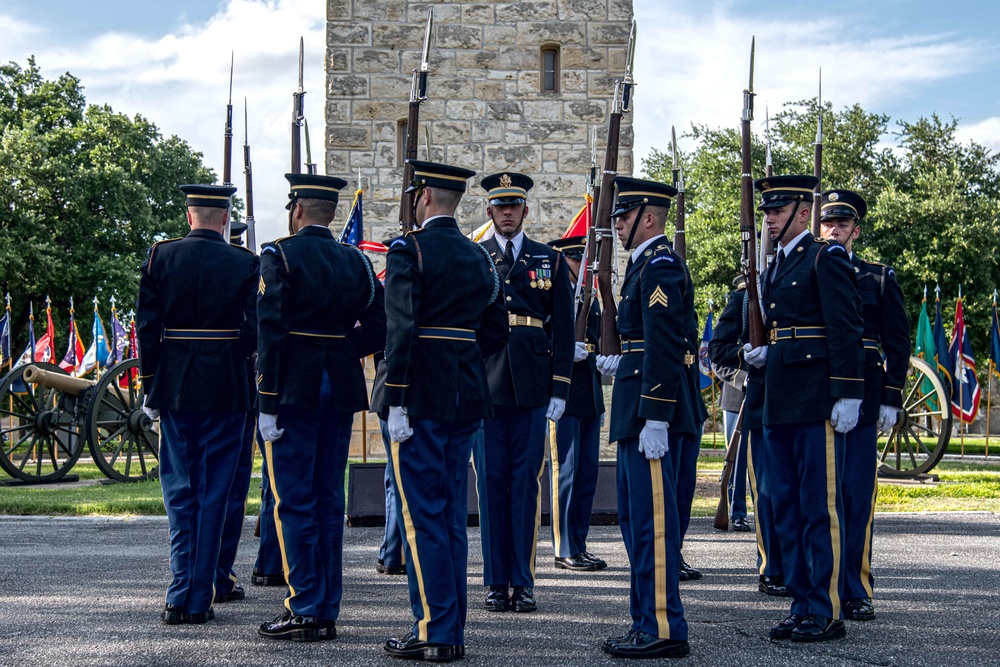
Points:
[722,511]
[680,245]
[610,343]
[407,218]
[748,233]
[586,287]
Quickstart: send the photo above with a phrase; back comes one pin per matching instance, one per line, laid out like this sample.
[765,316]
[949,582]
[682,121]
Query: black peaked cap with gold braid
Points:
[507,188]
[209,196]
[571,246]
[314,186]
[842,204]
[777,191]
[635,192]
[437,175]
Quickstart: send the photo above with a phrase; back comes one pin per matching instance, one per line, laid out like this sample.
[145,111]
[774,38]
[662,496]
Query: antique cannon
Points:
[921,436]
[46,415]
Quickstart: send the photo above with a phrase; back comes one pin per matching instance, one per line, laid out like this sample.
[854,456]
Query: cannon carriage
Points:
[46,416]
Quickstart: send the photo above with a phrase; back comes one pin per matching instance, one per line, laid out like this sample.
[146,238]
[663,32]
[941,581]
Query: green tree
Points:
[84,192]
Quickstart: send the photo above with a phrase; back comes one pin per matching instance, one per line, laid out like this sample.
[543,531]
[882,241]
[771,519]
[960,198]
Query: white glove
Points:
[152,413]
[845,414]
[580,353]
[887,417]
[755,356]
[603,419]
[399,424]
[653,440]
[557,406]
[608,364]
[268,425]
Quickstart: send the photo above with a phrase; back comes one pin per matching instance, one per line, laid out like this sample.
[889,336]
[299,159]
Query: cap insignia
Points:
[834,196]
[505,181]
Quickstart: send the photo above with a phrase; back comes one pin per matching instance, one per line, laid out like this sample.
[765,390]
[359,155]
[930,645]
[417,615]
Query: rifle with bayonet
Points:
[418,93]
[680,245]
[622,104]
[227,151]
[310,165]
[248,172]
[732,448]
[766,254]
[584,296]
[298,115]
[748,231]
[818,160]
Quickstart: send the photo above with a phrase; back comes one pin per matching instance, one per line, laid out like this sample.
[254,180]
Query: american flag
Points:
[354,230]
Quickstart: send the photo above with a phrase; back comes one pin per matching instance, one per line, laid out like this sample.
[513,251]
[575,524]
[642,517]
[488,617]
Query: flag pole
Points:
[989,376]
[961,374]
[715,426]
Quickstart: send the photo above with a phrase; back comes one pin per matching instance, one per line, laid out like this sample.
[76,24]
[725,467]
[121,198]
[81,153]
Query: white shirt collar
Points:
[788,247]
[518,240]
[642,246]
[432,218]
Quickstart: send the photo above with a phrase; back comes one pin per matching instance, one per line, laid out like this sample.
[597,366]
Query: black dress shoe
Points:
[498,599]
[861,609]
[785,628]
[818,629]
[294,627]
[382,568]
[740,525]
[643,645]
[625,638]
[523,599]
[173,614]
[599,562]
[688,573]
[328,628]
[201,617]
[459,651]
[577,562]
[258,578]
[772,586]
[414,649]
[236,594]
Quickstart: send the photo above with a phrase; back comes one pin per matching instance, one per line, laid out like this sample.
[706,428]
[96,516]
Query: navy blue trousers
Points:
[574,453]
[647,514]
[768,549]
[268,551]
[737,490]
[683,459]
[508,458]
[199,452]
[236,510]
[307,478]
[805,463]
[859,488]
[391,550]
[432,501]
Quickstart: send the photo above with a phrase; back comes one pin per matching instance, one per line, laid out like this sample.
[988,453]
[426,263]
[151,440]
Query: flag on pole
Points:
[354,230]
[45,348]
[73,359]
[98,352]
[925,348]
[5,335]
[483,232]
[132,352]
[942,357]
[29,352]
[995,339]
[119,338]
[704,365]
[965,392]
[580,224]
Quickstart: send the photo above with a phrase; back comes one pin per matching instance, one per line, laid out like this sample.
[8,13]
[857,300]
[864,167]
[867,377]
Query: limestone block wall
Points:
[486,110]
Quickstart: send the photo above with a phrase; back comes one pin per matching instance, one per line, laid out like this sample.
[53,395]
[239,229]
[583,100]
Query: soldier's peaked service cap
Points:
[777,191]
[634,192]
[437,175]
[211,196]
[314,186]
[842,204]
[507,188]
[571,246]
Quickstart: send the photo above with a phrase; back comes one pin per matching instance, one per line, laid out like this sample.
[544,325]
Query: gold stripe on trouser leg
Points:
[659,549]
[756,509]
[538,518]
[411,539]
[278,528]
[554,494]
[866,555]
[831,508]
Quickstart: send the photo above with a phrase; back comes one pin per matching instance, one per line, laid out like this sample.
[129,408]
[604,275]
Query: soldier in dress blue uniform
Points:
[575,440]
[321,311]
[656,408]
[445,310]
[731,332]
[391,558]
[529,382]
[887,326]
[197,322]
[813,383]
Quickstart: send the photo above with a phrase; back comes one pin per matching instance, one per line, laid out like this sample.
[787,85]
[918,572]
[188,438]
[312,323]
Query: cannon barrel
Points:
[64,383]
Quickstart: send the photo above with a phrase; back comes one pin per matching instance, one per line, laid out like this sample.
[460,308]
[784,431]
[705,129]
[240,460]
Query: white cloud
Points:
[693,67]
[986,132]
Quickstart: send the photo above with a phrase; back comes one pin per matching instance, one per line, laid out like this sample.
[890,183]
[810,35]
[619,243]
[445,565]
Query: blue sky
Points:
[168,60]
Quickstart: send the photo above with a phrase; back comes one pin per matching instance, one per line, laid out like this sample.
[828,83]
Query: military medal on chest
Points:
[534,280]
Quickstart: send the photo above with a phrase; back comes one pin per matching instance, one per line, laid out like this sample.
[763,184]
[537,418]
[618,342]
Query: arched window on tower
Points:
[550,68]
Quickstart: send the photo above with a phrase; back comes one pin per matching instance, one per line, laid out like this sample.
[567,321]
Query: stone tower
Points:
[514,85]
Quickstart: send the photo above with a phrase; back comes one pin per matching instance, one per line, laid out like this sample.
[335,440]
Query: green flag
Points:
[925,348]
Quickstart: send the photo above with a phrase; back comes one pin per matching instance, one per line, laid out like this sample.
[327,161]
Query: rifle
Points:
[585,281]
[298,116]
[680,245]
[227,151]
[732,447]
[310,165]
[610,343]
[818,160]
[766,255]
[248,171]
[748,231]
[418,93]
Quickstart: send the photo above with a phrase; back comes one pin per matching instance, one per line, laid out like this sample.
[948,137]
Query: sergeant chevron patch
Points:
[658,297]
[261,287]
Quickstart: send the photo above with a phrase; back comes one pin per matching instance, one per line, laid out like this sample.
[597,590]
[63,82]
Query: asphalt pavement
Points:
[88,591]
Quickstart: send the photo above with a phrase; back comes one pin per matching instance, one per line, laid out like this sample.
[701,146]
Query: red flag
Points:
[45,348]
[75,350]
[581,222]
[965,392]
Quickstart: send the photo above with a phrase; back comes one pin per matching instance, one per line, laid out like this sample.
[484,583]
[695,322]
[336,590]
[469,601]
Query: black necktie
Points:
[508,261]
[777,264]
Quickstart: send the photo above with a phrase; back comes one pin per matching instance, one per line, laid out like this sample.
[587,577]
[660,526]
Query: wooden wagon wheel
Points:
[124,442]
[920,439]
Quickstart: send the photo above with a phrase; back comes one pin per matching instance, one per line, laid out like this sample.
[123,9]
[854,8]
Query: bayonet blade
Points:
[673,145]
[630,54]
[232,62]
[246,129]
[301,59]
[753,47]
[767,135]
[310,167]
[425,54]
[819,110]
